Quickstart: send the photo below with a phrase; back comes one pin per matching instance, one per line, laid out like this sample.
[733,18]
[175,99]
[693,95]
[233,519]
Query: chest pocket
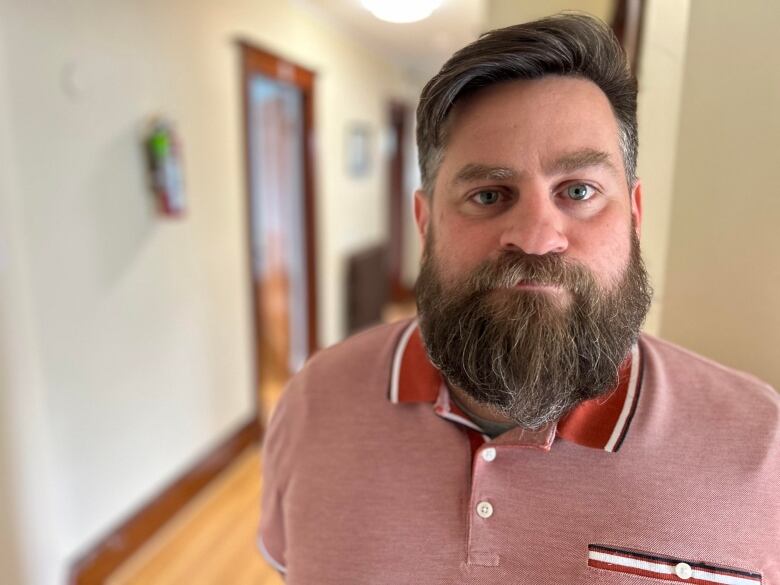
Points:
[612,560]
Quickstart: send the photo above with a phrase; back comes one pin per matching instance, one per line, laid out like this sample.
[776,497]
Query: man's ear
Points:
[422,214]
[636,207]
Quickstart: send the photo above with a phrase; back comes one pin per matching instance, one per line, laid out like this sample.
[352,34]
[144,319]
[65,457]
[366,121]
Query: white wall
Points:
[140,323]
[502,13]
[129,335]
[723,271]
[29,536]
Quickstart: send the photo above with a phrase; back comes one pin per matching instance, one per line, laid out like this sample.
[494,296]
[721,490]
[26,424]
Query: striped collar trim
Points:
[601,423]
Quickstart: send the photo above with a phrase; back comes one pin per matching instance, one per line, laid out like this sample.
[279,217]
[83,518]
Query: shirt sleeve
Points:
[275,462]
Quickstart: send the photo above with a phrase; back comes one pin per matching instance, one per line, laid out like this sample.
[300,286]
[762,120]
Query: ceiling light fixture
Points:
[401,10]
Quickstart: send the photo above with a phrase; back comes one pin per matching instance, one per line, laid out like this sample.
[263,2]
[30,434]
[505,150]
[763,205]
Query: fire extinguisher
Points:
[165,165]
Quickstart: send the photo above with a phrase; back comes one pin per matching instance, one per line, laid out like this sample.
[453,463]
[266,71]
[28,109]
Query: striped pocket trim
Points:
[667,568]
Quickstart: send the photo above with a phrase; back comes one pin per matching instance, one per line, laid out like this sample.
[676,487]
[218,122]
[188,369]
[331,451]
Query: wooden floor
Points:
[213,540]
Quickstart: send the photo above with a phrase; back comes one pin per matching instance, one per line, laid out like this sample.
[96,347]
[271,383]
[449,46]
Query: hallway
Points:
[129,326]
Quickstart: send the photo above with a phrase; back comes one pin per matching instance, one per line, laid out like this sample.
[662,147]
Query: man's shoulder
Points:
[363,354]
[707,384]
[351,370]
[701,412]
[691,364]
[337,389]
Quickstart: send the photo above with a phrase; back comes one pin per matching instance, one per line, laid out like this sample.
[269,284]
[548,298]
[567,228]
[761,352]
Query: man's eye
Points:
[580,192]
[488,197]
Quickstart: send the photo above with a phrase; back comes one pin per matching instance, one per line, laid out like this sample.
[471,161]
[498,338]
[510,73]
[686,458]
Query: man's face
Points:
[532,288]
[533,166]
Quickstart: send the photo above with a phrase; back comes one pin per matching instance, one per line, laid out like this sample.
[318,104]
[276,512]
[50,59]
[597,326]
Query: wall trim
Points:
[113,549]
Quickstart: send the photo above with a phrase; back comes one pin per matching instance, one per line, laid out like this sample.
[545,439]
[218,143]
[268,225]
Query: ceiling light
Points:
[401,10]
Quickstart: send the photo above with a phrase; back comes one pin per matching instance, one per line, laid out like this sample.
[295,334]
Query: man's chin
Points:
[518,413]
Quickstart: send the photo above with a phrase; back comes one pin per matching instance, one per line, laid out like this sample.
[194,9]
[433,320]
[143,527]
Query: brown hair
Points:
[565,44]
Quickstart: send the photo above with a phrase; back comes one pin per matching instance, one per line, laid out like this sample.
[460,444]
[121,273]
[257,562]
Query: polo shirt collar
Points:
[601,423]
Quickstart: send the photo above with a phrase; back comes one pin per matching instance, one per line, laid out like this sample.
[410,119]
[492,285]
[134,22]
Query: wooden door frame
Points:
[627,24]
[398,121]
[258,61]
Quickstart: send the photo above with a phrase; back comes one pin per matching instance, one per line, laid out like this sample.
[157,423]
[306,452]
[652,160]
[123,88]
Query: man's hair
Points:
[576,45]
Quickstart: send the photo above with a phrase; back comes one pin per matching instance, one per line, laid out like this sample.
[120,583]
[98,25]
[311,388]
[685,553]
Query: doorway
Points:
[278,108]
[399,204]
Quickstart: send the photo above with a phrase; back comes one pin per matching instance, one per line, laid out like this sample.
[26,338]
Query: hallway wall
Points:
[26,483]
[722,271]
[134,330]
[661,74]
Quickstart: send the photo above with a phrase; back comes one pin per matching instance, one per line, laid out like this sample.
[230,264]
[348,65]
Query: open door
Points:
[278,99]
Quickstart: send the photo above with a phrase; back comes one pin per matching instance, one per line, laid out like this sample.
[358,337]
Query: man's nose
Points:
[535,226]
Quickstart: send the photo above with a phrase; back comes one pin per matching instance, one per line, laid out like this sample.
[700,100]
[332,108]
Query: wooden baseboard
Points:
[125,539]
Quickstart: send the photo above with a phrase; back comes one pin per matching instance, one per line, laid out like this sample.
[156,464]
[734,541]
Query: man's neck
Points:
[491,422]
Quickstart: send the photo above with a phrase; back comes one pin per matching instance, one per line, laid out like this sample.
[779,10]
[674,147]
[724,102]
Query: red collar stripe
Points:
[600,423]
[414,378]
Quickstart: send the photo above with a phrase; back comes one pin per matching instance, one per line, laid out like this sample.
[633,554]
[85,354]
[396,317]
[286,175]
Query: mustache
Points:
[511,268]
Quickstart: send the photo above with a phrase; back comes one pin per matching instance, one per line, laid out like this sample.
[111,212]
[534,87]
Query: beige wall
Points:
[723,269]
[129,335]
[661,73]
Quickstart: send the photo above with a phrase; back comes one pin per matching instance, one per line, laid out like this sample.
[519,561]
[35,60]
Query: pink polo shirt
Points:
[373,476]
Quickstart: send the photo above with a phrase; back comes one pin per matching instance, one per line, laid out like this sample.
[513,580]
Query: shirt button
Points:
[683,570]
[489,454]
[484,509]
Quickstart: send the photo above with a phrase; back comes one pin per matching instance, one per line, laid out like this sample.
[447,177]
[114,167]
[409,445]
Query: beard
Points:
[531,355]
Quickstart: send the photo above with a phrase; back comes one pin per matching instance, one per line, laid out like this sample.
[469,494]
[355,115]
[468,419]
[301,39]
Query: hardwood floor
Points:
[212,542]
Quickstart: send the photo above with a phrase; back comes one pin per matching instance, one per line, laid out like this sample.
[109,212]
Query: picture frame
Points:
[358,150]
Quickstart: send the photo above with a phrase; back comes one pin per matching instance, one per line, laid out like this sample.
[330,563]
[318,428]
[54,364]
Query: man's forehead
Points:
[562,163]
[559,111]
[549,87]
[554,124]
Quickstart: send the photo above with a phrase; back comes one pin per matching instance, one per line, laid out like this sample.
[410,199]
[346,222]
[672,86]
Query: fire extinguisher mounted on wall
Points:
[165,165]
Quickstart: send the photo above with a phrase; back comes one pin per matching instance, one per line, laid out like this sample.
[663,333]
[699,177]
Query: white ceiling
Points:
[419,47]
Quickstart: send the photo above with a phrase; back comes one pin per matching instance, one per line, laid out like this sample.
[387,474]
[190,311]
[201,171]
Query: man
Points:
[522,430]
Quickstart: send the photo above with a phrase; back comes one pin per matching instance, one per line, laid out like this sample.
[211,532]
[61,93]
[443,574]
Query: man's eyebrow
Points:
[479,172]
[580,159]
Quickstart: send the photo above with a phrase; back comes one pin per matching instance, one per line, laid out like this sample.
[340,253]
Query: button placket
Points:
[483,509]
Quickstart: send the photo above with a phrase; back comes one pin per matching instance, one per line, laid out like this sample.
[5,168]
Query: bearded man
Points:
[522,430]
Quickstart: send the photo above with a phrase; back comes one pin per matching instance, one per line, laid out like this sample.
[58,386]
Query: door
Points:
[278,127]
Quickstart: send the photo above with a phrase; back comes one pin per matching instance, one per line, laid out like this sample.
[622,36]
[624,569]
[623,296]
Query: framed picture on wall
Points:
[358,150]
